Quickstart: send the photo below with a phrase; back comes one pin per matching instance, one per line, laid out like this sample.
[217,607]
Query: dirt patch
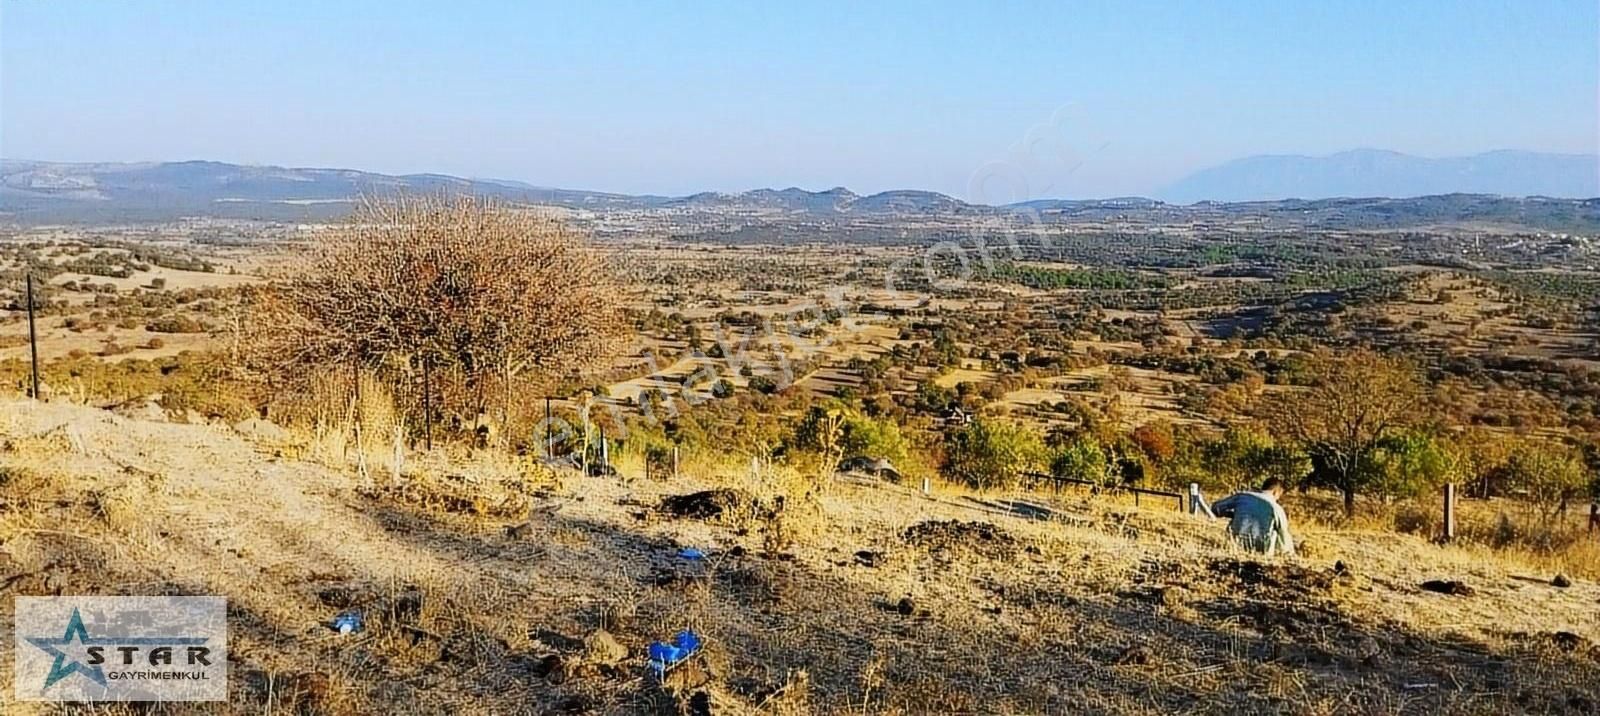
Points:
[1448,586]
[1273,598]
[719,504]
[455,495]
[1290,578]
[952,538]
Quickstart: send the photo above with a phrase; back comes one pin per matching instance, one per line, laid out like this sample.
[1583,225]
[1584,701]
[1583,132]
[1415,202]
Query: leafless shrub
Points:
[453,286]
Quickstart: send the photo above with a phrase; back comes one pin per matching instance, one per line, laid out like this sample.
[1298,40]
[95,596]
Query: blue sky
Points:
[1075,99]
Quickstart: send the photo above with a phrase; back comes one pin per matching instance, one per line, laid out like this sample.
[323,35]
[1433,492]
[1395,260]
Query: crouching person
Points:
[1256,519]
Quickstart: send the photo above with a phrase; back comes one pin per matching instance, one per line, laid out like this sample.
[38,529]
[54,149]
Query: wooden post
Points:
[1594,515]
[549,437]
[33,341]
[674,462]
[1449,511]
[427,402]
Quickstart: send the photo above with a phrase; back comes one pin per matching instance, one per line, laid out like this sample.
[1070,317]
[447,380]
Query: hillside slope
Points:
[876,599]
[1378,173]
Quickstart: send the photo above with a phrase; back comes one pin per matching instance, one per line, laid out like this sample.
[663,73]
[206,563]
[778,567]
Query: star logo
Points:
[67,664]
[64,665]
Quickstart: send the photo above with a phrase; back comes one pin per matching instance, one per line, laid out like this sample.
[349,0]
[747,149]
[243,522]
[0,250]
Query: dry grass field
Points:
[538,592]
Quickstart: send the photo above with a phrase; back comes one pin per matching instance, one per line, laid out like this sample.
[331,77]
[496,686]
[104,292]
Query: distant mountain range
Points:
[1379,173]
[156,190]
[33,192]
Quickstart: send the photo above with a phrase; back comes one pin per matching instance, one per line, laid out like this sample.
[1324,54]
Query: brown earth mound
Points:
[1274,577]
[711,504]
[952,537]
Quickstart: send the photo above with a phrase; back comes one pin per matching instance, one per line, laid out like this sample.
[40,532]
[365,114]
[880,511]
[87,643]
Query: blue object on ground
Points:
[691,554]
[347,623]
[664,656]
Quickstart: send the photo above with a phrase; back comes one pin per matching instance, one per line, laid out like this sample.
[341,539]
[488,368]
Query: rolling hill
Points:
[34,192]
[1378,173]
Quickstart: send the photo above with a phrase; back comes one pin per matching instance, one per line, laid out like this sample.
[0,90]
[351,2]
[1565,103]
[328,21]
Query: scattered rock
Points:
[1134,656]
[310,691]
[868,558]
[575,704]
[700,704]
[557,641]
[906,606]
[618,615]
[1566,641]
[262,430]
[1448,586]
[880,467]
[1368,649]
[1561,582]
[1170,596]
[346,596]
[552,668]
[603,648]
[688,675]
[408,606]
[146,409]
[1340,569]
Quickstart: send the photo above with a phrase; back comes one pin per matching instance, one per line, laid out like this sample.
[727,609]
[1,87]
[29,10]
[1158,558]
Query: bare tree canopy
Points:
[464,283]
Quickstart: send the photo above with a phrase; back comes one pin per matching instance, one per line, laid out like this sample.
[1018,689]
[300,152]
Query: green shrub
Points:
[989,453]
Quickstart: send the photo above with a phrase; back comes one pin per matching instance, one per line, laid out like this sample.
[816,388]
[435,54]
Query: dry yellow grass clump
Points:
[493,586]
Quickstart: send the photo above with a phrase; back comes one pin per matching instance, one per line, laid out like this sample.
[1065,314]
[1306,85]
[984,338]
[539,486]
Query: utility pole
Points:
[427,402]
[33,340]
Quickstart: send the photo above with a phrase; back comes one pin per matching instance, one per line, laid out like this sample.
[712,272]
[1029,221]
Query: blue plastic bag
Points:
[692,554]
[347,623]
[664,656]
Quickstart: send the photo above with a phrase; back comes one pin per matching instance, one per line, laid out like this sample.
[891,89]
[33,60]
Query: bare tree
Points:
[489,290]
[1353,402]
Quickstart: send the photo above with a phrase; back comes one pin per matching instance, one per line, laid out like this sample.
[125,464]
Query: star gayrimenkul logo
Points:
[66,665]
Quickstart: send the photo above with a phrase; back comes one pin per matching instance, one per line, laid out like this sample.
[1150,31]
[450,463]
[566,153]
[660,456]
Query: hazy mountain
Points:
[1377,173]
[160,190]
[142,191]
[792,199]
[48,192]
